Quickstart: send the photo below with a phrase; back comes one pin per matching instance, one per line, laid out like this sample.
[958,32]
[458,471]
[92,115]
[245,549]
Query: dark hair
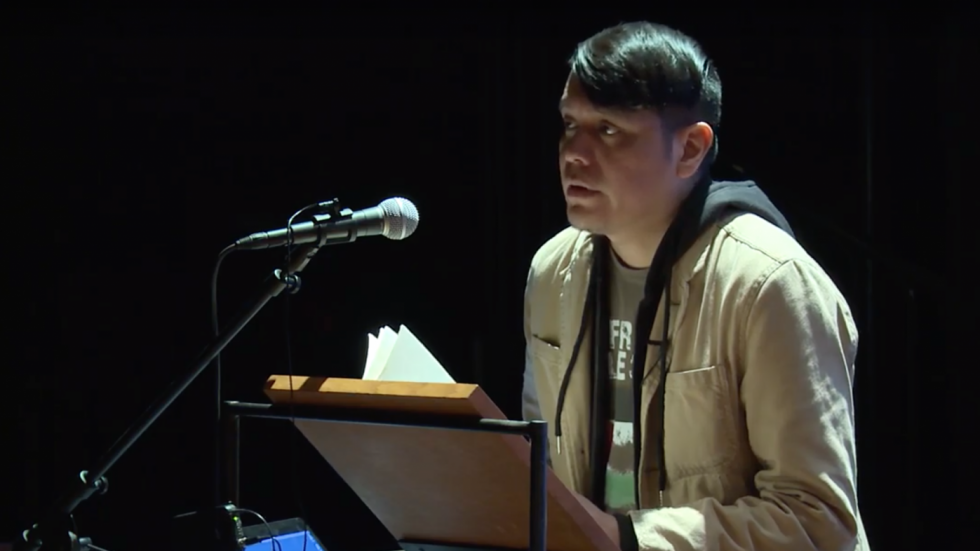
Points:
[644,65]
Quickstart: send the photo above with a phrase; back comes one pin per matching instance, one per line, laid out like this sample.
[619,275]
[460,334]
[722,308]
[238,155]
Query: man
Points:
[694,363]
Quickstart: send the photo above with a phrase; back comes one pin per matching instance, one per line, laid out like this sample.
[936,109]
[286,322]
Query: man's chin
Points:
[585,219]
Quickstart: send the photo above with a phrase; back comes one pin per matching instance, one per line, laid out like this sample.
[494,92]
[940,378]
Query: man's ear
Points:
[693,142]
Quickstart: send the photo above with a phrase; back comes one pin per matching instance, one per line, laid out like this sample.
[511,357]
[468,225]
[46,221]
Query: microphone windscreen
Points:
[401,217]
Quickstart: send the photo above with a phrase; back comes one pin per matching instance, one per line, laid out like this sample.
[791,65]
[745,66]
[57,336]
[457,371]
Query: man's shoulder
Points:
[769,271]
[761,240]
[752,249]
[557,252]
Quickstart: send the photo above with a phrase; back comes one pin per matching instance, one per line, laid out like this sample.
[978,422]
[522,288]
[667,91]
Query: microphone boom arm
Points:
[53,531]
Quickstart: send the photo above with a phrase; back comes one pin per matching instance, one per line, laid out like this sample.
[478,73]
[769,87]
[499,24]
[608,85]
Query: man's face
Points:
[617,170]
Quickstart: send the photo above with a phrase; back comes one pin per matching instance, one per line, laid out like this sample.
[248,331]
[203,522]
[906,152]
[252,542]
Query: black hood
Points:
[710,203]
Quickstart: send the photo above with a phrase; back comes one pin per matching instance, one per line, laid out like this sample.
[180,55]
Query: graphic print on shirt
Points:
[620,482]
[625,293]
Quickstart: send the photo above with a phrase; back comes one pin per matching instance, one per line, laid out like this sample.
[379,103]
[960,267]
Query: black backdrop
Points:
[140,144]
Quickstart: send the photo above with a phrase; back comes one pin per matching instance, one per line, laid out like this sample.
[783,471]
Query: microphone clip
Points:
[331,208]
[319,213]
[324,210]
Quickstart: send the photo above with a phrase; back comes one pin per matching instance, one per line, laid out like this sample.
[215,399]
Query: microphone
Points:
[395,218]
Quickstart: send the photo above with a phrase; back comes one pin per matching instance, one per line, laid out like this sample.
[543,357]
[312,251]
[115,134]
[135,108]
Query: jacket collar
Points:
[687,266]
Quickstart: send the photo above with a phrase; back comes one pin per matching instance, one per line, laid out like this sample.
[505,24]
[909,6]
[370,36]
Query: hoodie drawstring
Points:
[567,377]
[645,316]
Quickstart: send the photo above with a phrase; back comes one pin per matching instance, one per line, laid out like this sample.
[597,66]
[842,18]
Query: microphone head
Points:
[401,218]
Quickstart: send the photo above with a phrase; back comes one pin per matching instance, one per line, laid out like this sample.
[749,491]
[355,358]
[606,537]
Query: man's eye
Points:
[608,130]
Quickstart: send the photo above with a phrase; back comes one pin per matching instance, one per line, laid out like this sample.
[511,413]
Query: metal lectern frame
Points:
[536,431]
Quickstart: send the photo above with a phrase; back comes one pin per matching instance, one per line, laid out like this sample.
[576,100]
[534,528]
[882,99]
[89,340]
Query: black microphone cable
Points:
[297,494]
[216,329]
[276,544]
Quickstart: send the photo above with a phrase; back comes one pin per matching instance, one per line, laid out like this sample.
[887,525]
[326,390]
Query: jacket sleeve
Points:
[797,366]
[530,405]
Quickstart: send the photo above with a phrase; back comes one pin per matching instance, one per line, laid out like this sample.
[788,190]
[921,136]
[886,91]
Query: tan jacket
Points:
[759,418]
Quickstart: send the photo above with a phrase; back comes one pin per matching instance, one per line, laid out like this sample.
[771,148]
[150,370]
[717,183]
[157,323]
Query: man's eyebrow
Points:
[564,105]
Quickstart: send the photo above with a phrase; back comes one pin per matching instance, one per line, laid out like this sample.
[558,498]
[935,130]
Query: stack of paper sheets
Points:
[398,356]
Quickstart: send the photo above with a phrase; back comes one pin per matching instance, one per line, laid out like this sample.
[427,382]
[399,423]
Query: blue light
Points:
[287,542]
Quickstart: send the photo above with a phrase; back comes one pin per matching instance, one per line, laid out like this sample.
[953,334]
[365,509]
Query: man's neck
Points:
[636,246]
[637,250]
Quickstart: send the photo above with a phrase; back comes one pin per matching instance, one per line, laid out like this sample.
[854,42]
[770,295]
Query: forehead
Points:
[574,102]
[573,97]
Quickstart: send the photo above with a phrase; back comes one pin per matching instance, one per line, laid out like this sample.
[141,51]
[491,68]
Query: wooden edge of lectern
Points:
[440,487]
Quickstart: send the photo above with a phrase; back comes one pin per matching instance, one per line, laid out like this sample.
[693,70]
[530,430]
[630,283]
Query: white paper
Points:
[376,361]
[372,351]
[401,357]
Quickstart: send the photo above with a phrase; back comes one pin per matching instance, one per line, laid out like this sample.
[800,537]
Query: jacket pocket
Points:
[544,346]
[544,367]
[700,421]
[547,369]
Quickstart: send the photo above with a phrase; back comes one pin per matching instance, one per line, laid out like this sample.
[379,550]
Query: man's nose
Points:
[577,148]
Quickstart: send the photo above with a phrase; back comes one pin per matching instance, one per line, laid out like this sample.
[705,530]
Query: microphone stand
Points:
[55,531]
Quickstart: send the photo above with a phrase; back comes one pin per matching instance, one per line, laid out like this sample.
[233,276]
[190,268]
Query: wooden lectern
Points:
[436,487]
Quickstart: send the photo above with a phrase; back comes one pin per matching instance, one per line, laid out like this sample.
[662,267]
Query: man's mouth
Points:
[575,190]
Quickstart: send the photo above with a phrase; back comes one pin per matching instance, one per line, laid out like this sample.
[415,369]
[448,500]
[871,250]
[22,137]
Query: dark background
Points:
[138,145]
